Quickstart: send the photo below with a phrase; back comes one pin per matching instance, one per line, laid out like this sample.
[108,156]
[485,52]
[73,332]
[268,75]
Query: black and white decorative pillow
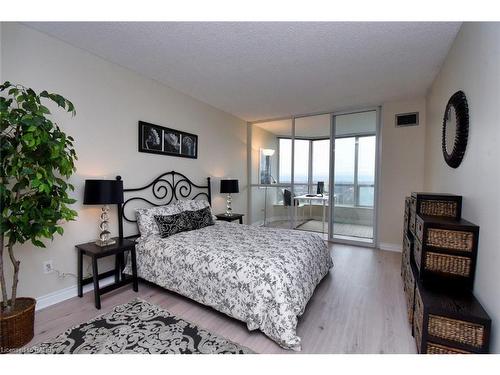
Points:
[200,218]
[171,224]
[146,217]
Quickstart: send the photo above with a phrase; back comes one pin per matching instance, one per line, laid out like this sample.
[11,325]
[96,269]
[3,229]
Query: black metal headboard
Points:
[166,188]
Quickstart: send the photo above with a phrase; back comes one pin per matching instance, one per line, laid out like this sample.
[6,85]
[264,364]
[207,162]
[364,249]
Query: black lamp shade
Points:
[229,186]
[103,192]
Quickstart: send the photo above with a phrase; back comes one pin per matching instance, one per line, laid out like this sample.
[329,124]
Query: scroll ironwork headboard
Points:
[166,188]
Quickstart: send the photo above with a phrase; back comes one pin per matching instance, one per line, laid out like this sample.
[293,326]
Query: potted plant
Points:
[36,159]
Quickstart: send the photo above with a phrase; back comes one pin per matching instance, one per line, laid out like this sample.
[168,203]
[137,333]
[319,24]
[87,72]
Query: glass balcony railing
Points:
[346,194]
[360,195]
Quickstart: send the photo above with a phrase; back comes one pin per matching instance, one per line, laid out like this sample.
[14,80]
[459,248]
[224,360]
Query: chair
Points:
[320,188]
[287,202]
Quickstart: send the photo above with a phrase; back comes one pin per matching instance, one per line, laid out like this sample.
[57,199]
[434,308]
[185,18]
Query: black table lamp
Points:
[229,187]
[103,192]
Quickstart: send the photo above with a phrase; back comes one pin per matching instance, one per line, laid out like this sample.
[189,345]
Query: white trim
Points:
[249,218]
[271,219]
[378,169]
[390,247]
[350,240]
[331,224]
[67,293]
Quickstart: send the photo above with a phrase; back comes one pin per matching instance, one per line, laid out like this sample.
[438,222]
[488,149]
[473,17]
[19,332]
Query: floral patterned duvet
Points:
[261,276]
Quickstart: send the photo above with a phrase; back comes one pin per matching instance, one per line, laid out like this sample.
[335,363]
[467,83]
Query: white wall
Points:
[262,138]
[473,65]
[401,168]
[109,101]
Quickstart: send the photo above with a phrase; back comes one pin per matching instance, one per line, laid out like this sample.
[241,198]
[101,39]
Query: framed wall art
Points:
[155,139]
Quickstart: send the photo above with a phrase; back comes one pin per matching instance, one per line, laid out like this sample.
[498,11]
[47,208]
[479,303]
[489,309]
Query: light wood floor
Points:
[358,308]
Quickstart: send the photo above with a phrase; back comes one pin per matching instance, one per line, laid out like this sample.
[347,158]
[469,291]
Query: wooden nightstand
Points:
[233,217]
[95,252]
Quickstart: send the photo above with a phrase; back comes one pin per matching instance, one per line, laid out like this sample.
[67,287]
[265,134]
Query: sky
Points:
[344,160]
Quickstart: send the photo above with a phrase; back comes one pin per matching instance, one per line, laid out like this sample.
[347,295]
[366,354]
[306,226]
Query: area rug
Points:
[138,327]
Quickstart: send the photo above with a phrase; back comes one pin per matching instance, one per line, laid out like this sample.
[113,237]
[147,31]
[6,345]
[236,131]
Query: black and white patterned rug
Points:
[138,327]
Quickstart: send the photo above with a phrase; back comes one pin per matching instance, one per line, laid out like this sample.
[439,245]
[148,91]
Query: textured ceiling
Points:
[264,70]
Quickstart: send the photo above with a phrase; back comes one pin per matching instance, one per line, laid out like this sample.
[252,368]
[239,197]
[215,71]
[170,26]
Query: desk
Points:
[321,198]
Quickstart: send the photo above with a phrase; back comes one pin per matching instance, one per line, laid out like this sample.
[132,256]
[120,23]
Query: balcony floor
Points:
[340,229]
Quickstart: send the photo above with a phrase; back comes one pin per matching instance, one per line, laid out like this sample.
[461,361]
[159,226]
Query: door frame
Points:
[331,203]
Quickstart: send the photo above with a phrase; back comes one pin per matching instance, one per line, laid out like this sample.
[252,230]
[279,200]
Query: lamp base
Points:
[102,243]
[229,210]
[104,237]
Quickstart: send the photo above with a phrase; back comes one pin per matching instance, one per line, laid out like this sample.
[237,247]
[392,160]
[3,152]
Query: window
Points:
[285,160]
[355,171]
[366,171]
[307,172]
[345,160]
[321,162]
[301,161]
[354,167]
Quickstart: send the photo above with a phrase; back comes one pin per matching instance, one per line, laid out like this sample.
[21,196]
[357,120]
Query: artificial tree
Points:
[37,158]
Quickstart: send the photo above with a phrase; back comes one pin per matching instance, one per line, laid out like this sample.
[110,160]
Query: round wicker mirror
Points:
[455,129]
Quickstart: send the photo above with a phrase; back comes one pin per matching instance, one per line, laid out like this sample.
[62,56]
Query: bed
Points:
[261,276]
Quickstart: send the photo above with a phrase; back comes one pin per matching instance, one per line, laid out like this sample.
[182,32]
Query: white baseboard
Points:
[270,220]
[67,293]
[390,247]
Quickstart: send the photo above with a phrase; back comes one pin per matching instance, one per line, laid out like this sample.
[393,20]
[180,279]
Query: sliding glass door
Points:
[354,176]
[316,173]
[311,173]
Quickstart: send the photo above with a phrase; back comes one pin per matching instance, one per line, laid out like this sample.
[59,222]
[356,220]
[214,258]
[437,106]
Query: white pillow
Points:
[146,221]
[193,205]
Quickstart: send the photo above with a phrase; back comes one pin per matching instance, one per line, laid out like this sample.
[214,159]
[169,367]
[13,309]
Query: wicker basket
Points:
[440,205]
[404,270]
[418,316]
[449,264]
[17,329]
[438,208]
[447,234]
[418,336]
[413,204]
[410,293]
[417,254]
[456,330]
[412,224]
[407,246]
[450,239]
[407,205]
[442,349]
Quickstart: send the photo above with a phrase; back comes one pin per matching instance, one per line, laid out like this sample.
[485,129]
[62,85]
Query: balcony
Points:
[353,214]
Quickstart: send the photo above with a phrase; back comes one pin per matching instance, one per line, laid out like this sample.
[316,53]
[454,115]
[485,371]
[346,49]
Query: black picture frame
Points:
[156,139]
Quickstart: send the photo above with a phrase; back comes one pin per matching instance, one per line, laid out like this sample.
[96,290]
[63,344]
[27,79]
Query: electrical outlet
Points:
[47,266]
